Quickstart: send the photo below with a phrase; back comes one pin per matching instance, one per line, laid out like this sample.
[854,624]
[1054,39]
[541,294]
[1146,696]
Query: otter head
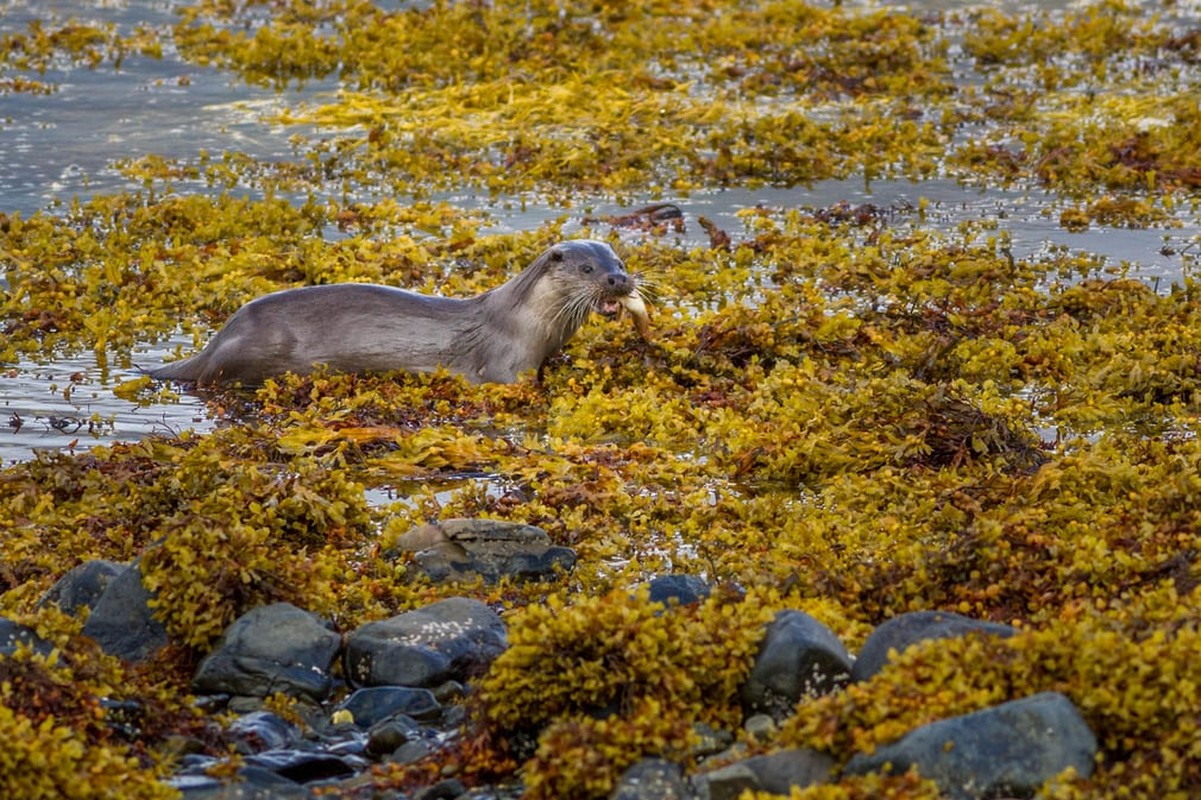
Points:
[592,278]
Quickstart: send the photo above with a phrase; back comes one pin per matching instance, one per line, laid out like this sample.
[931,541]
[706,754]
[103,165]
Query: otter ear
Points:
[556,255]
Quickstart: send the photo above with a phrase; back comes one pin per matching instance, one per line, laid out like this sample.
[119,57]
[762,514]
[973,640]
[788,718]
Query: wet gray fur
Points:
[492,337]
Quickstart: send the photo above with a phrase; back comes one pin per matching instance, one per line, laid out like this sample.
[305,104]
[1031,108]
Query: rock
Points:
[799,656]
[122,622]
[82,586]
[252,782]
[447,789]
[777,773]
[709,740]
[905,630]
[269,649]
[682,589]
[260,731]
[652,779]
[305,766]
[1007,750]
[468,549]
[13,635]
[761,727]
[410,751]
[388,735]
[452,639]
[377,703]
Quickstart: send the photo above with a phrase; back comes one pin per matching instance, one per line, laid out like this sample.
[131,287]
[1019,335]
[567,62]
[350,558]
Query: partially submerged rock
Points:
[467,549]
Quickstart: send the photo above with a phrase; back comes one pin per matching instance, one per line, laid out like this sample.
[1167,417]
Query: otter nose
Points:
[619,282]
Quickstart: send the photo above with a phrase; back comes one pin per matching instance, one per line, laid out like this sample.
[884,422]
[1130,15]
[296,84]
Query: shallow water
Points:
[58,147]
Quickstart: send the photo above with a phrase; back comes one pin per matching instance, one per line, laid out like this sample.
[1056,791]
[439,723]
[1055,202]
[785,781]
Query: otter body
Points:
[349,327]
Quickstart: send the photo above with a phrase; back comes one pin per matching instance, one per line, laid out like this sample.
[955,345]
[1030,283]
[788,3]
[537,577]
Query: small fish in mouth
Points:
[634,304]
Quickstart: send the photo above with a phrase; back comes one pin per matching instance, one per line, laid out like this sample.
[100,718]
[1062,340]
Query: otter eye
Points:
[586,269]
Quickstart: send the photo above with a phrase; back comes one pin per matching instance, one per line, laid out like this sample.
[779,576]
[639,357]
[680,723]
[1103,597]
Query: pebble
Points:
[411,672]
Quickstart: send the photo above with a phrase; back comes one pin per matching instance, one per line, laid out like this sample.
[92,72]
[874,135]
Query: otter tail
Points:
[186,369]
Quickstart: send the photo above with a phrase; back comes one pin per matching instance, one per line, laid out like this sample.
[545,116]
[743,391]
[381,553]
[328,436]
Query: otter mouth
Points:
[634,305]
[608,306]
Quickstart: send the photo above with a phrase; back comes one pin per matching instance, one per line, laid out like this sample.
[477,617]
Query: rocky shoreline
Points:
[394,692]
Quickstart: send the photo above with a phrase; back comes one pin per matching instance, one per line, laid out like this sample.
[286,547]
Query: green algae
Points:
[848,411]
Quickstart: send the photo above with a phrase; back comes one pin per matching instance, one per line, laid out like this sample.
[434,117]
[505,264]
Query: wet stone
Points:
[376,703]
[252,783]
[777,773]
[453,639]
[388,735]
[906,630]
[652,779]
[14,635]
[411,751]
[122,622]
[457,550]
[304,766]
[448,789]
[678,589]
[82,586]
[1009,750]
[271,649]
[799,657]
[260,731]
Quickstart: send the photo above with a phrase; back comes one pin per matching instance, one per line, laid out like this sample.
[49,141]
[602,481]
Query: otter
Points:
[492,337]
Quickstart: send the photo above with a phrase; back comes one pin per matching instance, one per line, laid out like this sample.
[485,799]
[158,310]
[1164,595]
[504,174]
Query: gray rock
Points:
[1011,749]
[709,740]
[305,766]
[376,703]
[269,649]
[82,586]
[13,635]
[410,751]
[776,773]
[252,783]
[452,639]
[388,735]
[468,549]
[761,727]
[799,657]
[652,779]
[260,731]
[682,589]
[447,789]
[122,622]
[906,630]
